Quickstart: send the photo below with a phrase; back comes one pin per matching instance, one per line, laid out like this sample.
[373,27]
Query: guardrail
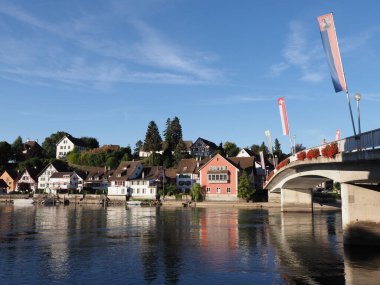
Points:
[367,141]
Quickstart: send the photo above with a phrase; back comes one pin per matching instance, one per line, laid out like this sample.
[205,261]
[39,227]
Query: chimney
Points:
[197,164]
[143,175]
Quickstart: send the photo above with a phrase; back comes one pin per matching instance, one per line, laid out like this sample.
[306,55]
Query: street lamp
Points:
[358,96]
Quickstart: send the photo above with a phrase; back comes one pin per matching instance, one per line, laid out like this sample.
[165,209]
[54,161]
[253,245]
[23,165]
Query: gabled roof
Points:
[11,173]
[243,163]
[57,165]
[187,166]
[171,173]
[209,143]
[218,156]
[125,170]
[150,173]
[247,150]
[33,173]
[75,141]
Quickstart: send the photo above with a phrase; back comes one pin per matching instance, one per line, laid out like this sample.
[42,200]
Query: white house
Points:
[65,181]
[67,144]
[132,178]
[28,177]
[143,153]
[46,173]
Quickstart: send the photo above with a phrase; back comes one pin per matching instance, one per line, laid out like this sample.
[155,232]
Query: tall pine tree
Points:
[153,140]
[172,133]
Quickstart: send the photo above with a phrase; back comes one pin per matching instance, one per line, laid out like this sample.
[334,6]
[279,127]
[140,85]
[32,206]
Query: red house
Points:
[219,176]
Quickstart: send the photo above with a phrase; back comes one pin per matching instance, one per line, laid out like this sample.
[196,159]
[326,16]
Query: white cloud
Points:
[147,57]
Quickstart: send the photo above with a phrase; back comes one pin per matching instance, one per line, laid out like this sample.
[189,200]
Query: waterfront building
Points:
[219,176]
[47,172]
[136,180]
[98,178]
[188,173]
[28,179]
[67,144]
[10,179]
[65,181]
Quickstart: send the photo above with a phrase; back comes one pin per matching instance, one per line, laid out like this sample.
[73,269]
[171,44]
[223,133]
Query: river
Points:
[147,245]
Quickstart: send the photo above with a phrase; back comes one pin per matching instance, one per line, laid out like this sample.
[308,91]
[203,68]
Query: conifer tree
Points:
[153,140]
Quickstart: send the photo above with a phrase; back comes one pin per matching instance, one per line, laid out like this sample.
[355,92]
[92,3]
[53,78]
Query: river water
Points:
[147,245]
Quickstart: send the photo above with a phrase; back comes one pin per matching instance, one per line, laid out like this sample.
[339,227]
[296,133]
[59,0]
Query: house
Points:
[28,179]
[127,170]
[134,179]
[47,172]
[245,152]
[98,178]
[219,176]
[67,144]
[32,149]
[188,173]
[63,181]
[10,178]
[3,186]
[203,148]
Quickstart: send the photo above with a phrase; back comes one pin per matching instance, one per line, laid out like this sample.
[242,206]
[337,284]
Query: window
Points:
[151,191]
[228,190]
[143,191]
[218,190]
[138,191]
[68,147]
[208,190]
[61,147]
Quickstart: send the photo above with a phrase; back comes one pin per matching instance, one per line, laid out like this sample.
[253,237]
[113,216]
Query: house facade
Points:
[188,173]
[203,148]
[28,180]
[10,179]
[59,181]
[219,177]
[135,180]
[46,173]
[67,144]
[98,179]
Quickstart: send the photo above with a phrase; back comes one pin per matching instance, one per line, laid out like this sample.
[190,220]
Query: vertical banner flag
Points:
[269,141]
[330,45]
[337,135]
[284,116]
[262,160]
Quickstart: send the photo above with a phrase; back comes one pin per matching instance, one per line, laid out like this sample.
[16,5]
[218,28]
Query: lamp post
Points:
[358,96]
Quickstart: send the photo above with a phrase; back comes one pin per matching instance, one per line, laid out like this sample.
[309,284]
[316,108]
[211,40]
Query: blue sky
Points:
[106,68]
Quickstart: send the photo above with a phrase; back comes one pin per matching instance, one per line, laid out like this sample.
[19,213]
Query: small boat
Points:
[23,202]
[133,203]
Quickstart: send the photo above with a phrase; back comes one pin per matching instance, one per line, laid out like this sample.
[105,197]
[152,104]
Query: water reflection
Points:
[176,245]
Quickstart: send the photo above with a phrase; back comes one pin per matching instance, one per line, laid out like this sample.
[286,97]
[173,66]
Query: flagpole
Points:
[352,118]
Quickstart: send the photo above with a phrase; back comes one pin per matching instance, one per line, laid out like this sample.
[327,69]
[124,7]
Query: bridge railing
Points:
[367,141]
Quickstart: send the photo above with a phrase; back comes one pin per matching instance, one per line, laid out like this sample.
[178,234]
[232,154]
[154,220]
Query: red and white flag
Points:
[284,116]
[337,135]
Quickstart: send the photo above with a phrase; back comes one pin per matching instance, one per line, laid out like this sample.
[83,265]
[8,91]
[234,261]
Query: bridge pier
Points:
[296,200]
[360,214]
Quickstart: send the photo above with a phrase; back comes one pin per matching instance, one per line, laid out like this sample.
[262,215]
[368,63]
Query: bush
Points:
[301,155]
[196,194]
[330,150]
[313,153]
[283,163]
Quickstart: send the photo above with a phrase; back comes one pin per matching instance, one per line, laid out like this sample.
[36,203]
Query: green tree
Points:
[172,133]
[220,150]
[153,140]
[196,193]
[155,159]
[255,148]
[5,153]
[17,148]
[137,148]
[231,149]
[245,188]
[264,149]
[180,152]
[90,142]
[112,162]
[50,143]
[299,147]
[167,158]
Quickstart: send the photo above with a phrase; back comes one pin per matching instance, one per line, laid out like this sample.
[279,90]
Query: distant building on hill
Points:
[67,144]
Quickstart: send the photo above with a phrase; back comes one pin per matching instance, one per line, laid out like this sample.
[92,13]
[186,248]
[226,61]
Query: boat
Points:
[23,202]
[133,203]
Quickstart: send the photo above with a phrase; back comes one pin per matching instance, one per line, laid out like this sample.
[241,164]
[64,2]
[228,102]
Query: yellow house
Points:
[10,179]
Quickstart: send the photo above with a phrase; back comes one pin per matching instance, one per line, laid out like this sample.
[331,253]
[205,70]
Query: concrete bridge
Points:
[356,166]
